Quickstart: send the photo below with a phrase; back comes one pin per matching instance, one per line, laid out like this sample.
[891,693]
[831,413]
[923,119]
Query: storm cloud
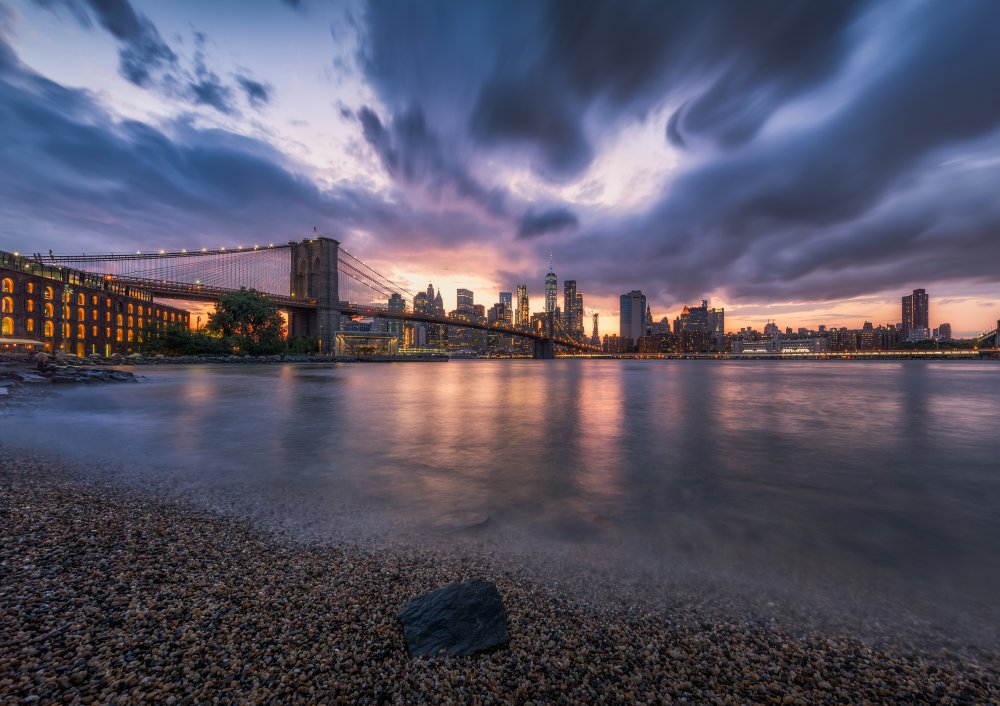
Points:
[814,134]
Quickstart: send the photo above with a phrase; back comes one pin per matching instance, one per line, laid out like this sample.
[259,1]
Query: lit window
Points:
[49,310]
[81,299]
[7,287]
[7,305]
[7,327]
[131,322]
[131,336]
[81,315]
[29,325]
[29,304]
[66,311]
[49,328]
[81,331]
[48,293]
[93,315]
[130,310]
[30,288]
[93,331]
[140,311]
[65,330]
[95,300]
[118,335]
[118,320]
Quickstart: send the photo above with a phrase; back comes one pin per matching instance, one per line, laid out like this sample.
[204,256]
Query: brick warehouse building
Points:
[76,312]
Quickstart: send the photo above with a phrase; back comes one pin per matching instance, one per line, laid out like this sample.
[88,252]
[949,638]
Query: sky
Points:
[807,163]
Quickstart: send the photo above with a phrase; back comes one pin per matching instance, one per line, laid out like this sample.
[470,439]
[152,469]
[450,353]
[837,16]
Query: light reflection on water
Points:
[865,471]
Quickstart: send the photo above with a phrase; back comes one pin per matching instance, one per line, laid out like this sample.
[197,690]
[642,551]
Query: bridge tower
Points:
[314,277]
[546,349]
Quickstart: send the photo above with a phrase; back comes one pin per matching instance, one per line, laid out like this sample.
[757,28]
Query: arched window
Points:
[49,310]
[29,304]
[7,286]
[81,299]
[65,330]
[66,312]
[29,325]
[131,309]
[81,315]
[131,322]
[93,331]
[7,305]
[30,288]
[140,311]
[7,327]
[48,329]
[118,336]
[81,331]
[48,293]
[131,336]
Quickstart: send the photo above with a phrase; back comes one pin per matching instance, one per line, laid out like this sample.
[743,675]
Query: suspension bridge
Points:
[314,280]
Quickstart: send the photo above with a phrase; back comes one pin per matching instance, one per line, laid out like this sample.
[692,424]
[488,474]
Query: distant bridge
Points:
[314,280]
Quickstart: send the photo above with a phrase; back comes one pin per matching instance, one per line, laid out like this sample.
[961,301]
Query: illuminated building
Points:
[632,316]
[916,314]
[523,312]
[464,300]
[569,306]
[77,312]
[551,285]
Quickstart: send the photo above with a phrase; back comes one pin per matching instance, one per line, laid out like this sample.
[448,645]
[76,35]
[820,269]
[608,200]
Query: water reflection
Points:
[864,470]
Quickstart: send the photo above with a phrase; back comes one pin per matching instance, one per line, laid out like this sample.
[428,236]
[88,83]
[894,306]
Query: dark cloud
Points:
[544,76]
[75,178]
[550,221]
[258,94]
[411,151]
[844,195]
[143,52]
[146,60]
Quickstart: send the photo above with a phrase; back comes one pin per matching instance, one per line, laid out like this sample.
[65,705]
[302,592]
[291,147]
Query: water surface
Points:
[875,478]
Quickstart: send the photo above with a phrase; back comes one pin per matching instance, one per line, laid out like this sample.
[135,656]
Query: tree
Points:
[249,322]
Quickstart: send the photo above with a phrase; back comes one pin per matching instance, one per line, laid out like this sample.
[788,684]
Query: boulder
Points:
[460,619]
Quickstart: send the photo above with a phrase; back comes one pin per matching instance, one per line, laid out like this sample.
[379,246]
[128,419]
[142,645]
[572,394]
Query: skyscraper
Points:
[595,340]
[551,286]
[916,312]
[579,315]
[507,300]
[569,305]
[395,326]
[523,310]
[632,316]
[464,300]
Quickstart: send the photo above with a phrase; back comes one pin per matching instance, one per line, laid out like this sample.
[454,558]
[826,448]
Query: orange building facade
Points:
[77,312]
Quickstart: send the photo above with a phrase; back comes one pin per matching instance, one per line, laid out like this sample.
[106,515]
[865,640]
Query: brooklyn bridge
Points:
[314,280]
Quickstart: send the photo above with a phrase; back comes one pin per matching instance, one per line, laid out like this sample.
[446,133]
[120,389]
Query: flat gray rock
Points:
[460,619]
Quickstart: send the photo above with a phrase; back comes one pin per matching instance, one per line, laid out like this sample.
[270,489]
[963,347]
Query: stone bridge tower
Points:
[314,277]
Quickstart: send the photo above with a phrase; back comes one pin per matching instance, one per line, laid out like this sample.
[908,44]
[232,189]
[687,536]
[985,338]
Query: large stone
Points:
[459,619]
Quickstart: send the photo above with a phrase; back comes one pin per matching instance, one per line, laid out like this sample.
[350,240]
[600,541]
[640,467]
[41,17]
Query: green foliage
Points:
[180,340]
[248,322]
[302,345]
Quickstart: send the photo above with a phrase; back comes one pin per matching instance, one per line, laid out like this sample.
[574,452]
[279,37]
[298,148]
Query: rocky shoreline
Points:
[109,595]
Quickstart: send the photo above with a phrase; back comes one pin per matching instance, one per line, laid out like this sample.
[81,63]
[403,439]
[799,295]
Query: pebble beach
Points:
[110,595]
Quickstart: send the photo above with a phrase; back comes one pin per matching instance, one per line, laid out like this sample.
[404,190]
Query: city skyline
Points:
[414,133]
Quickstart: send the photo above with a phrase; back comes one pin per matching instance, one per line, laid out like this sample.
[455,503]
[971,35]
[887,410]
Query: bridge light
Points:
[204,249]
[138,252]
[222,249]
[183,249]
[271,245]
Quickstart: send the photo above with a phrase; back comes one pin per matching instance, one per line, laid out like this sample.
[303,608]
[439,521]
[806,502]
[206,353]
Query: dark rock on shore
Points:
[458,620]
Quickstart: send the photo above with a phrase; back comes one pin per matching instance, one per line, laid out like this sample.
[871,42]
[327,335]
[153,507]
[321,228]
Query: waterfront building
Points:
[77,312]
[595,340]
[578,315]
[944,332]
[394,327]
[464,299]
[551,286]
[916,313]
[523,312]
[632,316]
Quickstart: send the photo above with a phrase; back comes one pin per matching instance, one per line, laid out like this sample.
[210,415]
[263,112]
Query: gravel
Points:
[113,595]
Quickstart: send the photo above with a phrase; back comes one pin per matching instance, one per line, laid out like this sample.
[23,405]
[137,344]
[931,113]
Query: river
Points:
[878,479]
